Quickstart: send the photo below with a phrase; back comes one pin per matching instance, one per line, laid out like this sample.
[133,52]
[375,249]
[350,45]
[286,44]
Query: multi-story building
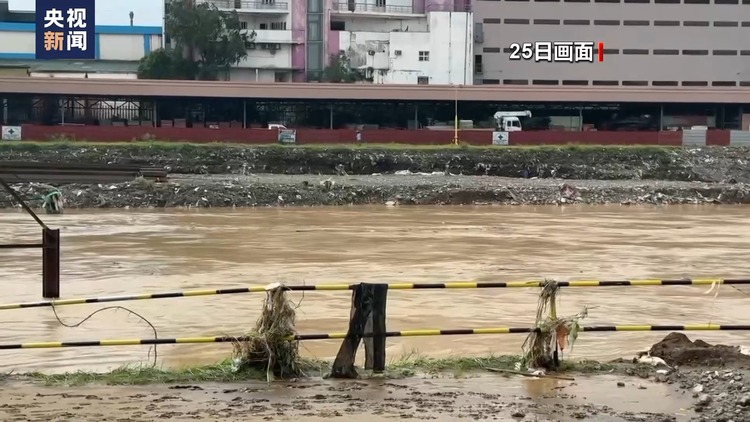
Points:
[386,41]
[390,41]
[404,41]
[657,43]
[277,53]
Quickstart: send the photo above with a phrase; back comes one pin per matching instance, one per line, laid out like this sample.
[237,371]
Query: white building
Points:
[396,44]
[118,38]
[122,43]
[271,58]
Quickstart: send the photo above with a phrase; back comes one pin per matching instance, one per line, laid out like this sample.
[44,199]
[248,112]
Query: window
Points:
[575,82]
[338,26]
[243,25]
[634,83]
[278,26]
[424,56]
[380,3]
[423,80]
[313,30]
[477,63]
[605,83]
[545,82]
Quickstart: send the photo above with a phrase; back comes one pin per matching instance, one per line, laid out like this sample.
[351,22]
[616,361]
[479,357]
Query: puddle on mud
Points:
[456,399]
[444,399]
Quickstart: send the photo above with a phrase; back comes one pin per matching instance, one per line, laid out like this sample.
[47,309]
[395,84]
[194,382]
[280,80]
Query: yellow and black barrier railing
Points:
[407,333]
[391,286]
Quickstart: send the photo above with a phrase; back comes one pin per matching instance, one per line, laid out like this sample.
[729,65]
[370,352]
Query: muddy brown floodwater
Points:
[119,252]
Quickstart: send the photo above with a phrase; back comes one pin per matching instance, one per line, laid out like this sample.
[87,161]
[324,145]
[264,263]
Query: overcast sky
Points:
[113,12]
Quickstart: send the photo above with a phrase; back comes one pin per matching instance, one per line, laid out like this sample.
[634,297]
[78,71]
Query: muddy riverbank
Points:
[401,189]
[569,162]
[668,384]
[446,398]
[218,175]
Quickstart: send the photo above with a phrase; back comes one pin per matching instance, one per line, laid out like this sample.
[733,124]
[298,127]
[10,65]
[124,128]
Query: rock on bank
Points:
[439,189]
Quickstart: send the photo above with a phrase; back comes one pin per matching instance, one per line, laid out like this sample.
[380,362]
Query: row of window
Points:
[644,51]
[272,47]
[276,26]
[637,1]
[613,22]
[577,82]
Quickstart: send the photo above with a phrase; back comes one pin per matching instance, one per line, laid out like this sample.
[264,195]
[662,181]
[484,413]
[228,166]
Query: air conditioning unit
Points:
[397,52]
[371,52]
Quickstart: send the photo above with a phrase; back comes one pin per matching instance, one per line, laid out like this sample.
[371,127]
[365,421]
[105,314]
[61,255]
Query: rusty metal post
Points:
[50,263]
[375,330]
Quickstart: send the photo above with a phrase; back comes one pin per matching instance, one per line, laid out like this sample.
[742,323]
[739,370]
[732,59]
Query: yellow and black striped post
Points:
[407,333]
[392,286]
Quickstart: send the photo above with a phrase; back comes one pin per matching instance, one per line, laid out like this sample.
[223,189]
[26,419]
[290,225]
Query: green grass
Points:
[409,365]
[168,145]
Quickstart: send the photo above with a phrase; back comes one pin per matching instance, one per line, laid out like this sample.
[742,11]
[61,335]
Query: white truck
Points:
[508,121]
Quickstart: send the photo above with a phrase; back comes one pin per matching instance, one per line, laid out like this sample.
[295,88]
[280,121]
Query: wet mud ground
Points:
[676,380]
[602,398]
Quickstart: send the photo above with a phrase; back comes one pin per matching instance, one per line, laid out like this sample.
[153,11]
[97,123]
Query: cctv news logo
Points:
[558,51]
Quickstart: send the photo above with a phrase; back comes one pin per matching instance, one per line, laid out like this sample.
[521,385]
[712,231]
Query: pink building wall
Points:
[333,45]
[436,5]
[299,36]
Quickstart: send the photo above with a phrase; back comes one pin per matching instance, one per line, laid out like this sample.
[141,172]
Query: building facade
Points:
[409,47]
[120,43]
[277,54]
[386,41]
[390,41]
[117,38]
[658,43]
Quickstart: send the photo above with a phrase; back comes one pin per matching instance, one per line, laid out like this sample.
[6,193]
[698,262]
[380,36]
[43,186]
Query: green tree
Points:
[340,71]
[166,64]
[211,39]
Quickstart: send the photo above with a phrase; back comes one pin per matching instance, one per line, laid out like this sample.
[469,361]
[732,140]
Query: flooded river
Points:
[119,252]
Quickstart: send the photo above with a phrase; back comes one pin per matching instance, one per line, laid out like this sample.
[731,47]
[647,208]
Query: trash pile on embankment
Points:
[218,175]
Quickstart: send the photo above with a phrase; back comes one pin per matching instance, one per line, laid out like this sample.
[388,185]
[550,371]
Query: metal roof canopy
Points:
[498,94]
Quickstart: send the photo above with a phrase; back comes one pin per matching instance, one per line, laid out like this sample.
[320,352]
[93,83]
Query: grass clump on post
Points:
[271,346]
[552,334]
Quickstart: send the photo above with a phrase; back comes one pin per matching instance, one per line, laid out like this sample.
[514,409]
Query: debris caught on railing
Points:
[268,346]
[542,347]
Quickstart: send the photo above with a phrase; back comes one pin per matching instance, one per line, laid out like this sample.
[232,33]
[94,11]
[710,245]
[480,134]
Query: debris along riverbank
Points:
[217,175]
[568,162]
[716,376]
[671,383]
[410,189]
